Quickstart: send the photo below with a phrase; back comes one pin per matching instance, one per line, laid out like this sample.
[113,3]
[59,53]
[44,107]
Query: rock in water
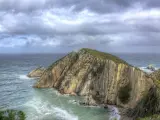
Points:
[151,67]
[36,73]
[88,100]
[101,76]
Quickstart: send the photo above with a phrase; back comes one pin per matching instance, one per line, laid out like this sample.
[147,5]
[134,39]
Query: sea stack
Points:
[102,77]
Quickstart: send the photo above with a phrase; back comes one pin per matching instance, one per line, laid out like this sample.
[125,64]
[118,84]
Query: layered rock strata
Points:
[99,76]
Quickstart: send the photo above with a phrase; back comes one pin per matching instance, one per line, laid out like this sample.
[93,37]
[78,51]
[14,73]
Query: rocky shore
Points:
[101,78]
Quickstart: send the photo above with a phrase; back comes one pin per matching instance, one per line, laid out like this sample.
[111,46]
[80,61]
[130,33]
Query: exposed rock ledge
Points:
[97,74]
[101,76]
[37,73]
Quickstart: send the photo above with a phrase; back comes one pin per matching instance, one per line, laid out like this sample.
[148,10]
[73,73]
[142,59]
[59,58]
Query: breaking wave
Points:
[24,77]
[40,110]
[146,70]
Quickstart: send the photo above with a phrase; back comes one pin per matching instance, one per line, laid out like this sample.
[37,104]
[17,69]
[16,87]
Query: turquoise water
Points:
[39,104]
[47,104]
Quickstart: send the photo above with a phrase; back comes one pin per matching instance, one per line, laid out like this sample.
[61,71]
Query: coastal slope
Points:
[101,77]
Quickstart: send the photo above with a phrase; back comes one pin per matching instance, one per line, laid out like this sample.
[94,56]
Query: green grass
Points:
[12,115]
[153,117]
[103,55]
[95,53]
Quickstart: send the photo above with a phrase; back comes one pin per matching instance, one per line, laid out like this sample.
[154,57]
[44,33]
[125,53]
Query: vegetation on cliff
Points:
[95,53]
[12,115]
[150,104]
[103,55]
[153,117]
[104,78]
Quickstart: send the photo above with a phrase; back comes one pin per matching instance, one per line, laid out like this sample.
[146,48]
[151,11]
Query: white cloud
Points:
[38,23]
[141,14]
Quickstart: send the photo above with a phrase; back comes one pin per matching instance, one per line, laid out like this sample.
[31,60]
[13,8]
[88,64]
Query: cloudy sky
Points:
[31,26]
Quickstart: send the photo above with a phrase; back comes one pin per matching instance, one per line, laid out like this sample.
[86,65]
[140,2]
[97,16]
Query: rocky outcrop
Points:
[156,75]
[151,67]
[99,76]
[150,103]
[38,72]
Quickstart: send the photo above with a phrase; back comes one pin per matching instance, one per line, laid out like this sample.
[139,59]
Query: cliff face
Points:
[149,105]
[156,75]
[103,77]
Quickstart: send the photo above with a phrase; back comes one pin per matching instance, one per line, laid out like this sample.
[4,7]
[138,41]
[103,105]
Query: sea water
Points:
[16,91]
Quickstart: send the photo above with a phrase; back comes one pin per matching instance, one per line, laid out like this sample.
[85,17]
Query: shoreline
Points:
[114,114]
[121,113]
[117,113]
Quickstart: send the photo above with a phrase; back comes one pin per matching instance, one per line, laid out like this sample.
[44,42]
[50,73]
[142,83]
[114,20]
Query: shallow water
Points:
[39,104]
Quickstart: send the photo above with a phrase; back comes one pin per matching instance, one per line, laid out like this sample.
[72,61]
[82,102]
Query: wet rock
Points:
[89,101]
[151,67]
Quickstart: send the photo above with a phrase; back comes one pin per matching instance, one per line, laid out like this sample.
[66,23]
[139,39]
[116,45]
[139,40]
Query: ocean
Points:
[16,91]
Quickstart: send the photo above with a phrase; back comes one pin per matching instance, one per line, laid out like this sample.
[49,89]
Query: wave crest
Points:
[40,110]
[24,77]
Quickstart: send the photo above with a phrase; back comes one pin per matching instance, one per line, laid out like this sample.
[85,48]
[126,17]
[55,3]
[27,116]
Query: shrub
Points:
[147,106]
[12,115]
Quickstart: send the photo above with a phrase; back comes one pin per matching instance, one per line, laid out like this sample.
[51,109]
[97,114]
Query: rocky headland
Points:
[103,79]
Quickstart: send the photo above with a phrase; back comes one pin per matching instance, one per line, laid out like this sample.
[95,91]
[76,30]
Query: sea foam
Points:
[23,77]
[40,110]
[114,114]
[147,70]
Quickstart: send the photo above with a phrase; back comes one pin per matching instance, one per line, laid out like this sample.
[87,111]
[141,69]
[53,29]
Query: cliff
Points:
[102,77]
[149,105]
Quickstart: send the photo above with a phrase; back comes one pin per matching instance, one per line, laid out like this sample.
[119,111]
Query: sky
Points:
[60,26]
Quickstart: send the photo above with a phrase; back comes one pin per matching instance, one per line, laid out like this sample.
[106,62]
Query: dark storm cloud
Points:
[79,23]
[25,25]
[99,6]
[143,39]
[2,36]
[152,3]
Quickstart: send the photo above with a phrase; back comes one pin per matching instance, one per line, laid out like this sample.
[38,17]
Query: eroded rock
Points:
[97,75]
[38,72]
